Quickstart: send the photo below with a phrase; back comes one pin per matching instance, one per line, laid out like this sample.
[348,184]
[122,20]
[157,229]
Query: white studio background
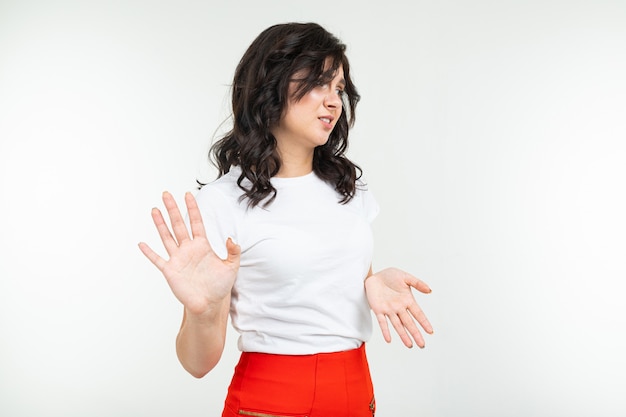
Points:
[492,132]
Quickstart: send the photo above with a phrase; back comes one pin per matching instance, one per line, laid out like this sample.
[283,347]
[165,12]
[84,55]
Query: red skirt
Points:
[320,385]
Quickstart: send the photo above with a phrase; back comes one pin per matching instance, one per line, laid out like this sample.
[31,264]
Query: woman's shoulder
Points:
[364,197]
[223,190]
[361,187]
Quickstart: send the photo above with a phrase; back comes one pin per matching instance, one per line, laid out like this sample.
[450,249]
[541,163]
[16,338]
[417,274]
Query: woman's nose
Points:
[333,100]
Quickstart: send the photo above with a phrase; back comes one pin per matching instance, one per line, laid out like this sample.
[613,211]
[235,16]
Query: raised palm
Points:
[198,277]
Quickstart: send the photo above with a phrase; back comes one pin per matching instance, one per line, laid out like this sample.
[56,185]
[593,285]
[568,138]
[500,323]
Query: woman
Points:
[281,241]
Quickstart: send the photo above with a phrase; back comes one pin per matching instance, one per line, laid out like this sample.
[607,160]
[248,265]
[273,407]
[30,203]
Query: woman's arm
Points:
[200,341]
[200,280]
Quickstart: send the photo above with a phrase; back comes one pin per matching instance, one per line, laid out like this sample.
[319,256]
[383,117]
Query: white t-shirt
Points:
[304,257]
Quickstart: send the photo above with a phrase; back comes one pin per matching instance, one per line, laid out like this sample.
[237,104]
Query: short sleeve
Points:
[368,202]
[218,217]
[371,206]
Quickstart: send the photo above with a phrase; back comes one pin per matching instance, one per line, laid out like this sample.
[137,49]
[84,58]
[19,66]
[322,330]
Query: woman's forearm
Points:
[201,339]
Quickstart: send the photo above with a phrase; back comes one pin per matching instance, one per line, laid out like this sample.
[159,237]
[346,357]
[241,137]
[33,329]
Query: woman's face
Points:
[308,122]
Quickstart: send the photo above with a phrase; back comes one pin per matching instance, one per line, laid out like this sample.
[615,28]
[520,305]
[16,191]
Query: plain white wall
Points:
[493,134]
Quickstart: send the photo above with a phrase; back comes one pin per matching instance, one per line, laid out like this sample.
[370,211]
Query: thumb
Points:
[234,251]
[419,285]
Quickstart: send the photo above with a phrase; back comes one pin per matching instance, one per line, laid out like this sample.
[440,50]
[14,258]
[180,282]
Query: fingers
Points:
[419,315]
[164,231]
[234,251]
[384,327]
[413,330]
[414,313]
[176,219]
[399,327]
[404,323]
[195,218]
[177,222]
[152,256]
[406,328]
[179,228]
[418,284]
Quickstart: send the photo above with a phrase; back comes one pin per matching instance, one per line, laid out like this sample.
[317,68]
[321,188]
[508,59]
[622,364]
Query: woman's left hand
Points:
[390,298]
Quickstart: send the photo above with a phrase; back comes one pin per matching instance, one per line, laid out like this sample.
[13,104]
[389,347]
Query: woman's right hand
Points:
[199,278]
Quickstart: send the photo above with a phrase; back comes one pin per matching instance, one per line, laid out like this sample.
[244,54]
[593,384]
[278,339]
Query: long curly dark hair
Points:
[260,93]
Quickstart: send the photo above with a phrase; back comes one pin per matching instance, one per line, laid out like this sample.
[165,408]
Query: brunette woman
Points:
[281,241]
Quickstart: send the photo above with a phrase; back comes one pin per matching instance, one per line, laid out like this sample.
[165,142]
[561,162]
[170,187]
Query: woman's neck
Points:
[290,169]
[295,165]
